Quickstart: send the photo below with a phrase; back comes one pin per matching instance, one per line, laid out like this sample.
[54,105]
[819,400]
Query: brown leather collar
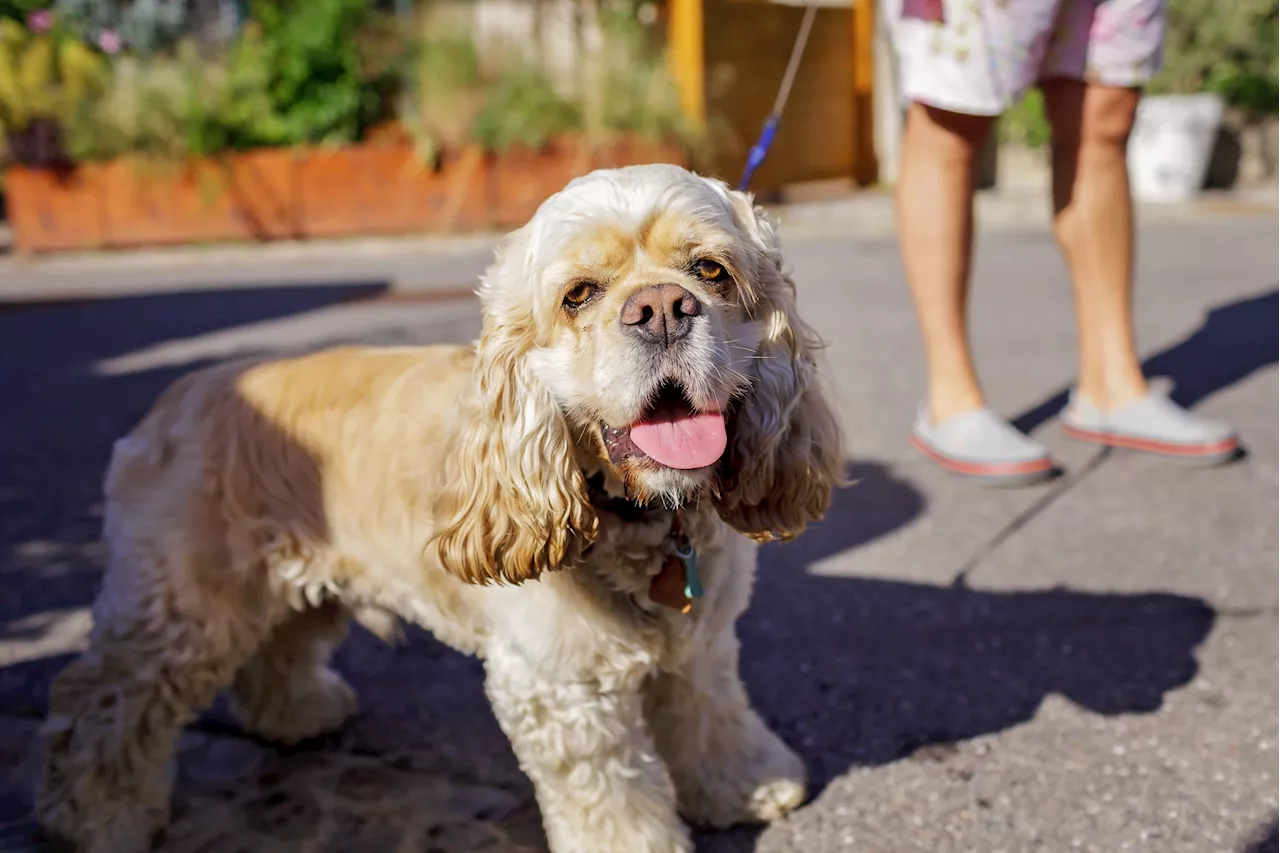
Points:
[624,508]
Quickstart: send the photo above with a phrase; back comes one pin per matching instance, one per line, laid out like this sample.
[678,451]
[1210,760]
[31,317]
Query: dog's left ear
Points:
[787,445]
[516,495]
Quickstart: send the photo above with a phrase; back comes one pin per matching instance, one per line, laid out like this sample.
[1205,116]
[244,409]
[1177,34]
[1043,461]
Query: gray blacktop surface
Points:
[1084,665]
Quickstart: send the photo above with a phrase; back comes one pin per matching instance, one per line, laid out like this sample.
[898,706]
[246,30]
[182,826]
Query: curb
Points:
[866,215]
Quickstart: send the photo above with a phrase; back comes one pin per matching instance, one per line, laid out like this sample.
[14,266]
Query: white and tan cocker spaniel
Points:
[576,500]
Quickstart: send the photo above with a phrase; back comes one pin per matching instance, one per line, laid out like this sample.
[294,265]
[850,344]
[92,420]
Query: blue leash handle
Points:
[759,151]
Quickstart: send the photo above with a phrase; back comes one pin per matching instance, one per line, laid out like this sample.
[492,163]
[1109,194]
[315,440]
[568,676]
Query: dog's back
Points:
[296,454]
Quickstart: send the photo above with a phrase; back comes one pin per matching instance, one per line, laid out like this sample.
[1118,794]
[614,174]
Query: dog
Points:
[576,499]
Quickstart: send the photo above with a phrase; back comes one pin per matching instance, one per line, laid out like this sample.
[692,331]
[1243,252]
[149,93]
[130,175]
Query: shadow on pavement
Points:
[852,671]
[878,670]
[1267,839]
[1234,341]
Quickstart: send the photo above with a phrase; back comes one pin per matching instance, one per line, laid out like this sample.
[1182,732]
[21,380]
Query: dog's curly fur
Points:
[259,505]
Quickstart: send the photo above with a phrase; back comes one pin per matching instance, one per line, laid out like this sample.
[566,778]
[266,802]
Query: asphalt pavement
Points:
[1086,664]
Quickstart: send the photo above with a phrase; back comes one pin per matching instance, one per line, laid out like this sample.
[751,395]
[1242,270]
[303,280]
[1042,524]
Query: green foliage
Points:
[1025,123]
[629,87]
[306,72]
[1224,47]
[522,108]
[442,93]
[228,104]
[18,10]
[45,76]
[143,25]
[296,74]
[308,57]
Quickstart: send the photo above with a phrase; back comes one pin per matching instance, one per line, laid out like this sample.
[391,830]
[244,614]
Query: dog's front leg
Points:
[585,745]
[728,766]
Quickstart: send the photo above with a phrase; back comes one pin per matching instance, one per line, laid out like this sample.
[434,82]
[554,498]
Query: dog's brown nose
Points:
[661,313]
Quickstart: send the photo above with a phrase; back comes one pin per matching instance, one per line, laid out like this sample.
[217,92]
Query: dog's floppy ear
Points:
[787,448]
[517,496]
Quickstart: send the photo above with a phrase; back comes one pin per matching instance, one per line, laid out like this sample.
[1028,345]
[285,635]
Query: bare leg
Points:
[935,232]
[287,692]
[1093,221]
[728,767]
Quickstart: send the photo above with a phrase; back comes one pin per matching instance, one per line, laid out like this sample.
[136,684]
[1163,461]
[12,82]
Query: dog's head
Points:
[640,324]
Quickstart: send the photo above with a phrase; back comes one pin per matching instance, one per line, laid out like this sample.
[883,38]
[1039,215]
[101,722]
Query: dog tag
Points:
[689,556]
[668,586]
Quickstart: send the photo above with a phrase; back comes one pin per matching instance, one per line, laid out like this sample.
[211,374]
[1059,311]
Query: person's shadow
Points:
[852,671]
[1266,839]
[857,671]
[1235,340]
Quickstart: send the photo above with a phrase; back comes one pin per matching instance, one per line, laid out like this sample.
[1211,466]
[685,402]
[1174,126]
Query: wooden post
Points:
[865,168]
[688,65]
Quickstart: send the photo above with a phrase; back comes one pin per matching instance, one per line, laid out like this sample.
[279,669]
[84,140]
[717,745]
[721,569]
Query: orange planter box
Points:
[274,194]
[52,210]
[251,196]
[387,189]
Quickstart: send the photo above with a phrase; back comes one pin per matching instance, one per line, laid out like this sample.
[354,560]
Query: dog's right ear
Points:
[516,494]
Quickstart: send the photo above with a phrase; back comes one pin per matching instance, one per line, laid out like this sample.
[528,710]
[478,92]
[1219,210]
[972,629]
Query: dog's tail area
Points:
[153,438]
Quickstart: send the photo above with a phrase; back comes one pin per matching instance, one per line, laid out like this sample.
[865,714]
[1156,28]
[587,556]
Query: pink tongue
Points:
[686,441]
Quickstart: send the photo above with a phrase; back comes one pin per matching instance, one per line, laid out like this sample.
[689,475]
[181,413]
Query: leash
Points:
[761,149]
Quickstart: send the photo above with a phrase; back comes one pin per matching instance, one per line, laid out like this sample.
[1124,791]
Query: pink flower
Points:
[109,41]
[40,21]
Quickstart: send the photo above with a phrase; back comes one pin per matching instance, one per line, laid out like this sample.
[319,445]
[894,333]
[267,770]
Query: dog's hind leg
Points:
[287,691]
[162,646]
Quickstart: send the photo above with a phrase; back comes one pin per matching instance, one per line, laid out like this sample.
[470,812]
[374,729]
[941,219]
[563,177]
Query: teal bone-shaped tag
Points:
[689,557]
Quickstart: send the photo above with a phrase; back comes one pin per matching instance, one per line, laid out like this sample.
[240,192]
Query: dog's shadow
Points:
[853,671]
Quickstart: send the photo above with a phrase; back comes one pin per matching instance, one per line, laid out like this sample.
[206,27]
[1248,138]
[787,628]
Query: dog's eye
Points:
[580,294]
[710,270]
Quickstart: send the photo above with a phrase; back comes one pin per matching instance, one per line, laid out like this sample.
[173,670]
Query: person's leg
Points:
[1115,46]
[935,233]
[1093,221]
[959,65]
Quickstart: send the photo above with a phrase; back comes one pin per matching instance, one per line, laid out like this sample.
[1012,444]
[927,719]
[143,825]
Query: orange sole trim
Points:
[1151,445]
[984,469]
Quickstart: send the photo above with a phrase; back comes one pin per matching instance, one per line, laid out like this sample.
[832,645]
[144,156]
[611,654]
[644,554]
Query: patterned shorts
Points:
[980,56]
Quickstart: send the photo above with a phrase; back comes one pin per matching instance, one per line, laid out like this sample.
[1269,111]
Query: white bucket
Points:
[1172,140]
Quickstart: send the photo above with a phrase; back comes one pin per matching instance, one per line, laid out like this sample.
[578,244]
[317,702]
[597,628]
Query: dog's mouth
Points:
[670,432]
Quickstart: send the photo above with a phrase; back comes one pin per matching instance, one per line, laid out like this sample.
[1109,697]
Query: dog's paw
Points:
[759,783]
[308,708]
[775,798]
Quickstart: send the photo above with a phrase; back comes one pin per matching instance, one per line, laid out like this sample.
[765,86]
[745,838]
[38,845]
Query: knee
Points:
[1108,116]
[1088,114]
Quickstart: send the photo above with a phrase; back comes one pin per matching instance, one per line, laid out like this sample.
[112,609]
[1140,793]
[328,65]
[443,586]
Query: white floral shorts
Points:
[980,56]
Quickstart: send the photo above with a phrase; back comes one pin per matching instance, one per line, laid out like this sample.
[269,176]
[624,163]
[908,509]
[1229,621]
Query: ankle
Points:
[1106,396]
[945,404]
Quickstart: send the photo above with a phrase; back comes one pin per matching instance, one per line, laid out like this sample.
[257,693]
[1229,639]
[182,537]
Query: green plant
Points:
[521,107]
[177,106]
[139,25]
[627,85]
[20,10]
[1025,123]
[313,70]
[46,80]
[1229,48]
[229,103]
[442,93]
